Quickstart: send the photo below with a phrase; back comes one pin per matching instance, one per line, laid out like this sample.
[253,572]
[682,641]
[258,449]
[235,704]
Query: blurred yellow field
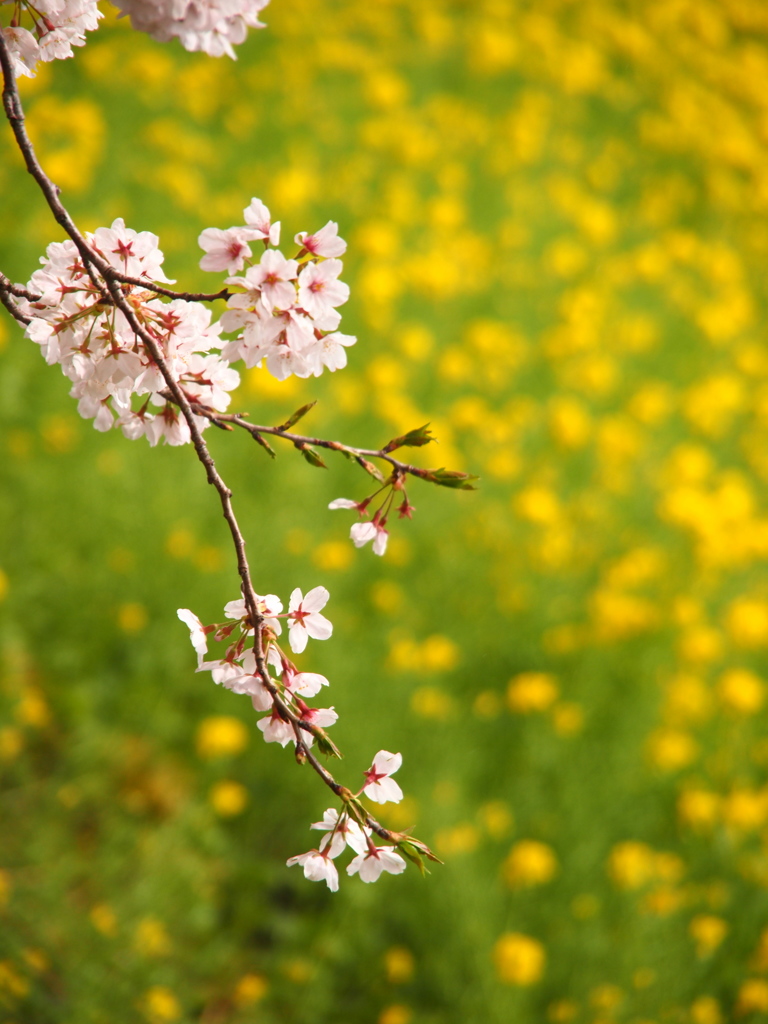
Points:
[557,216]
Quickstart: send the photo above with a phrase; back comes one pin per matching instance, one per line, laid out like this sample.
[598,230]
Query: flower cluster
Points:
[77,325]
[55,27]
[375,529]
[343,831]
[286,308]
[213,26]
[238,669]
[282,696]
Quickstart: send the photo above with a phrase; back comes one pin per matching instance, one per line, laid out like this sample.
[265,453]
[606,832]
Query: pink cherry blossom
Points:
[375,860]
[257,218]
[58,25]
[330,352]
[134,253]
[273,277]
[379,787]
[305,618]
[224,250]
[318,866]
[325,242]
[320,291]
[209,25]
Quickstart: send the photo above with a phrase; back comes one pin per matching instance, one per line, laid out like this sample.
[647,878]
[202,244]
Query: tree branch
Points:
[111,285]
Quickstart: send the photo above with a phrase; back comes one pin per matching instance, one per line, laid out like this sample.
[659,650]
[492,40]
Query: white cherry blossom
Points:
[318,867]
[341,831]
[276,729]
[379,787]
[362,533]
[369,865]
[224,250]
[305,618]
[196,630]
[303,684]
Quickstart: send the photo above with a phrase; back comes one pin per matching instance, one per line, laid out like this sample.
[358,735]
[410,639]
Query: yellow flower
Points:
[221,736]
[670,750]
[462,838]
[617,614]
[568,718]
[151,938]
[397,1013]
[333,555]
[701,644]
[745,809]
[439,653]
[228,799]
[698,808]
[529,863]
[741,691]
[707,931]
[753,996]
[430,702]
[562,1011]
[706,1010]
[531,691]
[538,505]
[11,982]
[160,1005]
[11,742]
[496,817]
[631,864]
[132,617]
[103,919]
[399,965]
[250,989]
[747,622]
[569,422]
[606,997]
[519,959]
[687,699]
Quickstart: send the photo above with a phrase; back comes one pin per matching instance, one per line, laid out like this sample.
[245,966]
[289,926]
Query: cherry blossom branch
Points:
[17,289]
[150,286]
[303,442]
[8,292]
[107,282]
[14,113]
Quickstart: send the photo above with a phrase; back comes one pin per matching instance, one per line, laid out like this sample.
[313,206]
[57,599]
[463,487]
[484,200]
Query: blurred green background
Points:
[557,216]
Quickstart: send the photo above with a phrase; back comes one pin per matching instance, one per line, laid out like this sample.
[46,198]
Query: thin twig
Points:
[8,300]
[17,289]
[223,419]
[150,286]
